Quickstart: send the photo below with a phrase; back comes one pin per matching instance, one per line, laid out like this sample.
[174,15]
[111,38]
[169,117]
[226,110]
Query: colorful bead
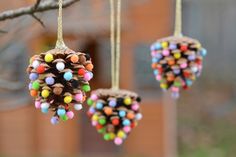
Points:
[36,85]
[40,69]
[68,99]
[50,80]
[33,76]
[68,76]
[118,141]
[54,120]
[78,107]
[60,66]
[127,101]
[45,93]
[86,88]
[48,58]
[70,114]
[61,112]
[35,64]
[99,105]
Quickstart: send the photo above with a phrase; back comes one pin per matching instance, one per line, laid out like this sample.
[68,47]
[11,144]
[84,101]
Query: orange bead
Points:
[74,58]
[130,115]
[84,98]
[171,62]
[89,67]
[33,93]
[108,110]
[153,65]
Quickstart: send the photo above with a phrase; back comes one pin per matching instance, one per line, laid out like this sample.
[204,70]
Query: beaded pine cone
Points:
[177,62]
[59,80]
[114,113]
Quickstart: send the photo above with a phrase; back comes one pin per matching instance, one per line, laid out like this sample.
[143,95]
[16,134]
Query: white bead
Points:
[78,107]
[35,64]
[45,105]
[60,66]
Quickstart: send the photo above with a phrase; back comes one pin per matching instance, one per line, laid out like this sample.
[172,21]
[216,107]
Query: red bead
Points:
[81,72]
[187,74]
[98,126]
[183,47]
[132,125]
[115,121]
[198,61]
[40,69]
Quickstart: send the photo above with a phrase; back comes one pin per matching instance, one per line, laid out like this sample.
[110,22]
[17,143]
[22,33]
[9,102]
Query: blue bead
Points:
[189,82]
[30,86]
[44,110]
[126,122]
[157,46]
[61,111]
[203,52]
[68,76]
[156,72]
[122,113]
[154,60]
[99,105]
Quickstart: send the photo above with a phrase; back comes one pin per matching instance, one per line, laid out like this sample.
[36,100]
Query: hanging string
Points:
[115,42]
[60,42]
[178,19]
[112,38]
[118,39]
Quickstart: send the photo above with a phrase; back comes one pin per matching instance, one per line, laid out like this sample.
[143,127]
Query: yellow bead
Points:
[45,93]
[48,58]
[177,55]
[95,117]
[163,85]
[198,45]
[128,101]
[68,99]
[164,44]
[112,136]
[121,134]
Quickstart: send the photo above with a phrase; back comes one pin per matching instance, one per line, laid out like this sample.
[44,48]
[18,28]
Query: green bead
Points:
[64,118]
[86,88]
[177,84]
[90,102]
[36,85]
[107,137]
[102,121]
[102,130]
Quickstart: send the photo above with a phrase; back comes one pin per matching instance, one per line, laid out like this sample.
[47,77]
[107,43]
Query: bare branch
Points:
[38,19]
[38,7]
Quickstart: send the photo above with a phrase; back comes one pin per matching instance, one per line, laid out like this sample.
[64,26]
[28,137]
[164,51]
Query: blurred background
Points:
[200,124]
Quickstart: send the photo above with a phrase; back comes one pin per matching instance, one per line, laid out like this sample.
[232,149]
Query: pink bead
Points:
[184,65]
[70,114]
[175,89]
[79,97]
[87,77]
[118,141]
[153,53]
[94,97]
[158,77]
[135,106]
[127,129]
[166,52]
[37,104]
[94,123]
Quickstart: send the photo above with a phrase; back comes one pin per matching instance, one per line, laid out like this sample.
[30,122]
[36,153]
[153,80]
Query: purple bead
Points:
[92,110]
[112,103]
[30,86]
[175,95]
[173,46]
[54,120]
[50,80]
[191,57]
[33,76]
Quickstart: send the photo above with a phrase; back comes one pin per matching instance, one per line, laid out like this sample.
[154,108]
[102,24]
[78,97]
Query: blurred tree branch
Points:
[36,8]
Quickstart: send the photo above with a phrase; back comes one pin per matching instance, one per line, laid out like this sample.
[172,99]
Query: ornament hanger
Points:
[60,42]
[178,19]
[115,42]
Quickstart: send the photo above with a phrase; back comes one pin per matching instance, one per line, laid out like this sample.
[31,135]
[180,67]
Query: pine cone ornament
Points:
[177,62]
[59,79]
[114,113]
